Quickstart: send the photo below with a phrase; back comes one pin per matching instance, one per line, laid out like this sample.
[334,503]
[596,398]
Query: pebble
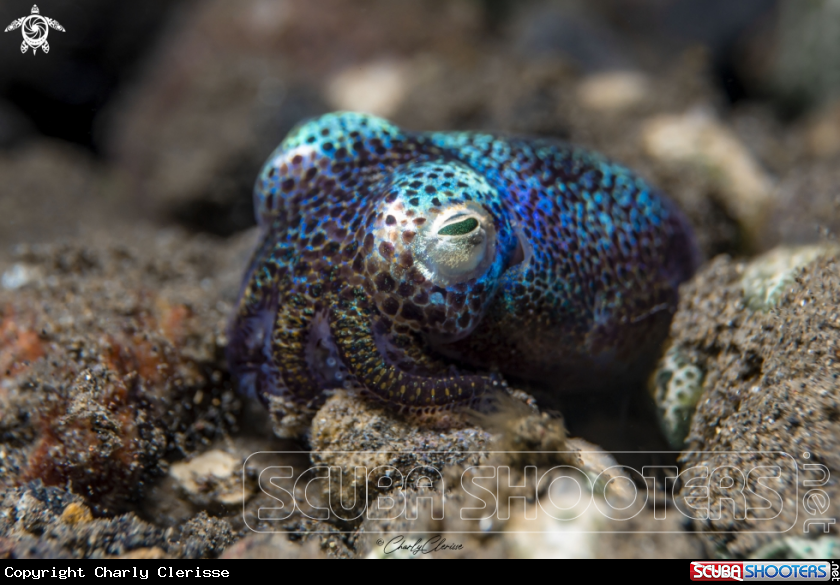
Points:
[377,87]
[700,140]
[211,476]
[17,276]
[76,513]
[614,91]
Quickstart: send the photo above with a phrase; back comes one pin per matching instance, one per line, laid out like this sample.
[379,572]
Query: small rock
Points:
[76,513]
[601,468]
[676,386]
[613,92]
[211,478]
[767,277]
[18,275]
[699,140]
[377,87]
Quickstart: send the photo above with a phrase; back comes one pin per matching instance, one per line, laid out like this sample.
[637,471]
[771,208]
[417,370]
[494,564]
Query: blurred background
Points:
[162,112]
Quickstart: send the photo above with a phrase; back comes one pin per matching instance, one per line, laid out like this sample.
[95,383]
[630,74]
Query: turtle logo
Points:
[35,30]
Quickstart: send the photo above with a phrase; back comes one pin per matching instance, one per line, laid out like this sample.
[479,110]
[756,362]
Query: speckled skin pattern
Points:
[422,267]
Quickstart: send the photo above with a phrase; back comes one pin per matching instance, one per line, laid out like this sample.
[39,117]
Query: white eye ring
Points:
[457,246]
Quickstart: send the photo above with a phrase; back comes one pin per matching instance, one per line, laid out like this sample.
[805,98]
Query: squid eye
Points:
[460,228]
[459,245]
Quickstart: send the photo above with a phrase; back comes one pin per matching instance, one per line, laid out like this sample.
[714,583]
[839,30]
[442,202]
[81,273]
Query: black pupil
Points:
[459,228]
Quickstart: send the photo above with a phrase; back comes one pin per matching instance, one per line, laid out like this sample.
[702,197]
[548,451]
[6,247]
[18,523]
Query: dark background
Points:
[62,95]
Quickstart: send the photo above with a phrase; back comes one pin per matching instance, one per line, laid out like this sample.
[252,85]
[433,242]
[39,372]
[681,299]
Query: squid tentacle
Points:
[354,337]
